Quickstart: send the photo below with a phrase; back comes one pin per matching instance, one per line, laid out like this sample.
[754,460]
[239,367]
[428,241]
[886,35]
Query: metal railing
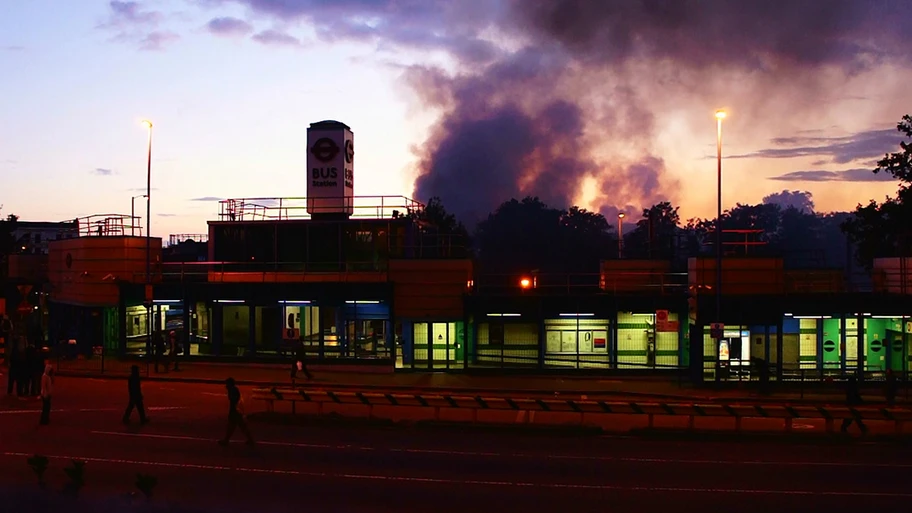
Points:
[107,225]
[178,238]
[279,209]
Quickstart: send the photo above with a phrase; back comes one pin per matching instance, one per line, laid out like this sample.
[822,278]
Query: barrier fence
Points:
[576,411]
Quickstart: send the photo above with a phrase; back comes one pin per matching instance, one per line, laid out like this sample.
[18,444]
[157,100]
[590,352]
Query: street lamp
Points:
[720,115]
[149,319]
[621,217]
[133,213]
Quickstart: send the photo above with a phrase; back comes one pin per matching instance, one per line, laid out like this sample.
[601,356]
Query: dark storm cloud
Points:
[848,175]
[839,150]
[390,24]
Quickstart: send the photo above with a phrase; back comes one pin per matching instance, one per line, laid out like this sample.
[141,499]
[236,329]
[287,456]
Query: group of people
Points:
[165,350]
[26,365]
[30,376]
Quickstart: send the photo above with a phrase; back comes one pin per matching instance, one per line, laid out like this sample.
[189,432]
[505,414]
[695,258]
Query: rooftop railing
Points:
[178,238]
[280,209]
[108,225]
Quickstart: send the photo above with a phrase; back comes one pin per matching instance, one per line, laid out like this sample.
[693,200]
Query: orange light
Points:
[525,283]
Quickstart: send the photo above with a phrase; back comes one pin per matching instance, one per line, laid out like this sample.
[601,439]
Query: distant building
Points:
[32,237]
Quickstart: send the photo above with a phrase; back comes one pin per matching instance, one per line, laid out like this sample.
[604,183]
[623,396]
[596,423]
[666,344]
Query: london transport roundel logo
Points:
[349,151]
[325,149]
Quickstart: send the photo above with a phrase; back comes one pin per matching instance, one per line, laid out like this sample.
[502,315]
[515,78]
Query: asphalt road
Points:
[371,469]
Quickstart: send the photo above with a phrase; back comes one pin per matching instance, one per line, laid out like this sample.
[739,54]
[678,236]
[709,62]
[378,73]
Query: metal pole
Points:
[149,237]
[621,235]
[133,215]
[719,219]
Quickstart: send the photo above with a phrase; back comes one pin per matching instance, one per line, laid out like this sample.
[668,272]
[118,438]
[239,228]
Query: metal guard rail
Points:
[583,407]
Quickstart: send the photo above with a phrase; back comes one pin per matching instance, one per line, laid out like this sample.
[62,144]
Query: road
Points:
[346,468]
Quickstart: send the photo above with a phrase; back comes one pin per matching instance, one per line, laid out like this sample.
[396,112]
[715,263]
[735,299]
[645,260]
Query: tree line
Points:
[526,234]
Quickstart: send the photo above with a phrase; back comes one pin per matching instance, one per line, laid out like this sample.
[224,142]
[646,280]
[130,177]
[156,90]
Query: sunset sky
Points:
[608,104]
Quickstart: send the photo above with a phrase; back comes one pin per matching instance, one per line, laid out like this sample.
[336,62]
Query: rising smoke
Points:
[573,105]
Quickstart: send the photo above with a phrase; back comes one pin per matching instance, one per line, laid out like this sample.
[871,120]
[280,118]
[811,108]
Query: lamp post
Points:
[133,213]
[621,217]
[149,318]
[720,115]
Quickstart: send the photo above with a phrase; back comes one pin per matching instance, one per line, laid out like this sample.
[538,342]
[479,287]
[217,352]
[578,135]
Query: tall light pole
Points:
[149,318]
[621,217]
[720,115]
[133,213]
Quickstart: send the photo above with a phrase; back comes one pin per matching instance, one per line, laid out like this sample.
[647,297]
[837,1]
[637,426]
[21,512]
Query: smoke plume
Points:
[565,99]
[573,106]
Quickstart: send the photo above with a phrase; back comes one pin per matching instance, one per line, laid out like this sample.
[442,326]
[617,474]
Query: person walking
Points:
[173,348]
[853,398]
[299,363]
[47,389]
[235,414]
[134,387]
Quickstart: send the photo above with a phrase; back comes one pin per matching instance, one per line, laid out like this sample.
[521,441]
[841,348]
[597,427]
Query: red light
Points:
[525,283]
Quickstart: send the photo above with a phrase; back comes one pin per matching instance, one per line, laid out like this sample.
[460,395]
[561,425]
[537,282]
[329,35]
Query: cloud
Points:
[138,26]
[100,171]
[157,41]
[800,200]
[230,27]
[848,175]
[141,189]
[276,38]
[839,150]
[13,48]
[130,14]
[166,215]
[208,198]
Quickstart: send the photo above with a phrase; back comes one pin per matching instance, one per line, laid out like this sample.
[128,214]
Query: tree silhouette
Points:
[656,235]
[527,235]
[885,229]
[441,231]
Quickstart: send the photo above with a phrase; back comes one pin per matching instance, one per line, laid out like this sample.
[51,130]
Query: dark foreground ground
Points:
[350,468]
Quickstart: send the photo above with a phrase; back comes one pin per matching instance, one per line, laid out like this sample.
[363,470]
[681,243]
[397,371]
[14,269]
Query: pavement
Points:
[648,388]
[373,468]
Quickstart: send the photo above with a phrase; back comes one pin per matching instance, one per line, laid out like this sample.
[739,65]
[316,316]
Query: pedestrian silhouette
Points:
[47,389]
[134,386]
[298,363]
[235,413]
[853,398]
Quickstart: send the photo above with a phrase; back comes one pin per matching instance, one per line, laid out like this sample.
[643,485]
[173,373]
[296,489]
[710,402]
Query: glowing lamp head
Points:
[525,283]
[621,215]
[720,115]
[146,123]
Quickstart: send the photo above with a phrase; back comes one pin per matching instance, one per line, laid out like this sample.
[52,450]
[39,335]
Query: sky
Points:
[608,104]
